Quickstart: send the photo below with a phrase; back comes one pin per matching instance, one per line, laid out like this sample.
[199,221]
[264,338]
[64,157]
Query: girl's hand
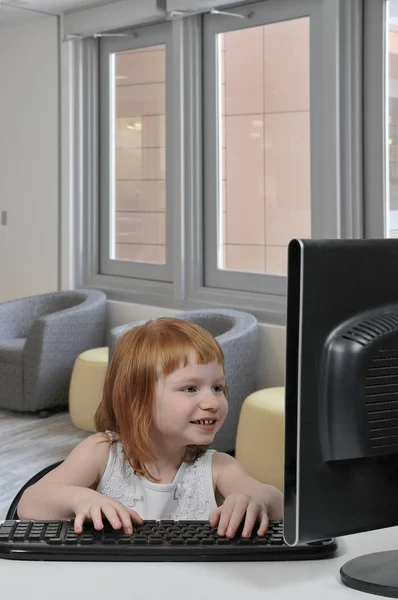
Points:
[230,514]
[91,506]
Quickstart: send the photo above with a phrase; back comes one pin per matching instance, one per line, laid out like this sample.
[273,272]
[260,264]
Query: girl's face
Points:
[190,404]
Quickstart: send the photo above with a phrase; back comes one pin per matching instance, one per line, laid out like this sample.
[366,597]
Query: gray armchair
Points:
[236,332]
[40,338]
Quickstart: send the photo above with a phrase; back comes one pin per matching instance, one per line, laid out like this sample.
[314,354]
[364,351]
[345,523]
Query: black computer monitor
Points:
[341,399]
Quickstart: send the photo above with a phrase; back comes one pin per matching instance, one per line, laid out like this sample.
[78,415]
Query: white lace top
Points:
[189,496]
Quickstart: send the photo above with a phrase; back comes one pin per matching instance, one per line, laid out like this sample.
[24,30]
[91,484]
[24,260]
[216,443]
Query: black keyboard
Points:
[152,541]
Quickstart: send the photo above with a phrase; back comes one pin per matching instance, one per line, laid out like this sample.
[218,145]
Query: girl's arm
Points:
[66,492]
[54,495]
[243,495]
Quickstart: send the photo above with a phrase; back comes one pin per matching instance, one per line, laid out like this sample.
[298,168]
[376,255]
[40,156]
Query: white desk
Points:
[309,580]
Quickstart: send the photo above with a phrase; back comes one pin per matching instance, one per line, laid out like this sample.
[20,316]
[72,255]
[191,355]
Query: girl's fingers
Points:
[250,520]
[79,520]
[125,518]
[263,524]
[240,509]
[215,517]
[96,517]
[119,516]
[135,517]
[112,515]
[226,511]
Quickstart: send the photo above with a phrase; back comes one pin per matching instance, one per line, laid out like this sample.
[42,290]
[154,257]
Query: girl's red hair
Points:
[141,355]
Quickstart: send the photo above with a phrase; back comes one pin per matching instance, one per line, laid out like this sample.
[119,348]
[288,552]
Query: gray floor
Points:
[27,445]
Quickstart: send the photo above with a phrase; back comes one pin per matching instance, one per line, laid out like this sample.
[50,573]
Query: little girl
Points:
[164,401]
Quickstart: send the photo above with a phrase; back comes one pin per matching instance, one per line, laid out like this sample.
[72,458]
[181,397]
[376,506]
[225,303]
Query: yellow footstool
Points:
[260,436]
[86,386]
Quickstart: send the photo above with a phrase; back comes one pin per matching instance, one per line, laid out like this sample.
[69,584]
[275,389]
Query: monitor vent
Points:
[381,392]
[367,331]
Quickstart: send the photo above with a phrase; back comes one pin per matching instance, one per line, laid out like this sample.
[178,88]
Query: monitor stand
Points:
[373,573]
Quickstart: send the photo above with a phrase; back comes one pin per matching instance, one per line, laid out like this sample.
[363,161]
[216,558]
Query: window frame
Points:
[375,99]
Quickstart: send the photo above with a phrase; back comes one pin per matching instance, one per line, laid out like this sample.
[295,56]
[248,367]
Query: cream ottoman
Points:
[86,386]
[260,436]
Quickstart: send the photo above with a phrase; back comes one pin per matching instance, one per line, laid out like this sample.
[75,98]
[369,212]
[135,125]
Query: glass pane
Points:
[264,125]
[138,207]
[392,147]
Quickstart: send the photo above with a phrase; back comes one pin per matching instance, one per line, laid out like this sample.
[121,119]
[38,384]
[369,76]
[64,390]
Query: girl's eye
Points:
[190,389]
[218,388]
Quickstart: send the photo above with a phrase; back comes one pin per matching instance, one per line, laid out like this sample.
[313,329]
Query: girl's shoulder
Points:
[222,462]
[83,466]
[99,441]
[103,443]
[97,447]
[220,459]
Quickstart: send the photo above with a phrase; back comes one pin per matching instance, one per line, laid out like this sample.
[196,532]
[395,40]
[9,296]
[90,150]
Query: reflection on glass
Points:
[264,147]
[138,210]
[392,126]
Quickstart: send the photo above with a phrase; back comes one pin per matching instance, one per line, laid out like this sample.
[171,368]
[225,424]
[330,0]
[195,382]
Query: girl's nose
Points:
[210,400]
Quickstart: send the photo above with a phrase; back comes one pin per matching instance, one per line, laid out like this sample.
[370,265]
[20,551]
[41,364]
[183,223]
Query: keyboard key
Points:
[6,528]
[36,537]
[19,537]
[166,522]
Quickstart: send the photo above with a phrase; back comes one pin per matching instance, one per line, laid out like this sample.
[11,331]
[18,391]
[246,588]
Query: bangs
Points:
[176,345]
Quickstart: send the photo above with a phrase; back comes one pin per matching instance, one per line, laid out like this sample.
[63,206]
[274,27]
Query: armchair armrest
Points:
[16,318]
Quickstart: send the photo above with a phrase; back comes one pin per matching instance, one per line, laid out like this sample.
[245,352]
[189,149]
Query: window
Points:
[265,143]
[264,154]
[138,184]
[219,138]
[133,151]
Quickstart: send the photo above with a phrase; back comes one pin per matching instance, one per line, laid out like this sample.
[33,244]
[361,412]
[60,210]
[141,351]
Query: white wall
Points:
[271,344]
[29,147]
